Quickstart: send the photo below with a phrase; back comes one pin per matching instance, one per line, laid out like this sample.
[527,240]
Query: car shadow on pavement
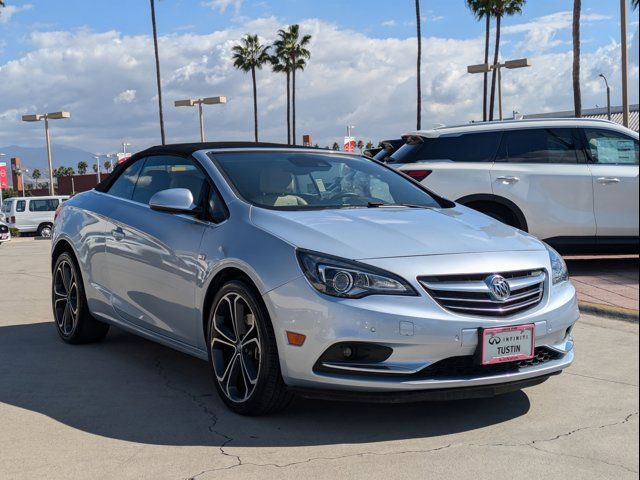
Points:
[131,389]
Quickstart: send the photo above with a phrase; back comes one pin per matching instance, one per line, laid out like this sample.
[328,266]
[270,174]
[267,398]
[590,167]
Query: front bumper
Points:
[420,332]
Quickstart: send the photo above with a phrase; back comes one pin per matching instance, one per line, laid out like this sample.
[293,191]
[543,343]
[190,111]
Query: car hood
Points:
[362,233]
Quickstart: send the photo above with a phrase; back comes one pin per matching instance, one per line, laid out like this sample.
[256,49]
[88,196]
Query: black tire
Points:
[45,230]
[74,325]
[244,356]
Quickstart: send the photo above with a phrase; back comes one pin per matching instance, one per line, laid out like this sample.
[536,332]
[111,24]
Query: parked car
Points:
[303,271]
[384,149]
[5,234]
[32,214]
[570,182]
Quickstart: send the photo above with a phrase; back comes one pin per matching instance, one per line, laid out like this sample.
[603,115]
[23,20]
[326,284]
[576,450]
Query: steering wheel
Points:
[345,195]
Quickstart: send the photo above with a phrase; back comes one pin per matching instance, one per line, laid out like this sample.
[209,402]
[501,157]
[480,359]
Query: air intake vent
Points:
[474,295]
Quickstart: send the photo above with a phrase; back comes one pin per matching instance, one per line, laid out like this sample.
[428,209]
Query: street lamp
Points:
[97,157]
[510,64]
[608,96]
[1,155]
[46,117]
[192,102]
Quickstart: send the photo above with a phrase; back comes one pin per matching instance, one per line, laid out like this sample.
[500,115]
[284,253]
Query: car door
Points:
[544,172]
[613,161]
[153,256]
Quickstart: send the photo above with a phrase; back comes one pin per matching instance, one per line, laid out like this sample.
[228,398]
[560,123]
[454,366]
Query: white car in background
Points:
[570,182]
[32,214]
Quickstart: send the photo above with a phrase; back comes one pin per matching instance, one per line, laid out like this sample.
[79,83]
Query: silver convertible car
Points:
[309,272]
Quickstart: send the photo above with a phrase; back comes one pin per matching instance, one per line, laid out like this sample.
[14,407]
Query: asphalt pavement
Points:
[130,409]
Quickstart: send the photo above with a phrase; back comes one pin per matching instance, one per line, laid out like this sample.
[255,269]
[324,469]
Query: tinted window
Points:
[6,207]
[163,172]
[217,208]
[299,181]
[21,205]
[125,184]
[45,205]
[609,147]
[470,147]
[550,145]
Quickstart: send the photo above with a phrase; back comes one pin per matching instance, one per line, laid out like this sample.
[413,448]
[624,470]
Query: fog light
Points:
[347,351]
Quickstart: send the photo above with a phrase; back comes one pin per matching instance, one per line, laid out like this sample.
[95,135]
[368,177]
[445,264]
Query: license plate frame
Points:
[487,357]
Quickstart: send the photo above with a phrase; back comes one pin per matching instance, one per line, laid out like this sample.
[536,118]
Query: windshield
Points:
[6,207]
[303,181]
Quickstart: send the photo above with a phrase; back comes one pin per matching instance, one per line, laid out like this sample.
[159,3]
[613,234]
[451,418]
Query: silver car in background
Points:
[304,271]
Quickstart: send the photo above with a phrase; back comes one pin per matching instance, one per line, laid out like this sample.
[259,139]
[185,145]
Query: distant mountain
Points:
[36,157]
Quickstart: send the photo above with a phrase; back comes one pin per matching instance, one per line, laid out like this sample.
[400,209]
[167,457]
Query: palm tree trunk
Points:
[155,47]
[496,56]
[288,108]
[486,61]
[419,68]
[293,103]
[577,98]
[255,104]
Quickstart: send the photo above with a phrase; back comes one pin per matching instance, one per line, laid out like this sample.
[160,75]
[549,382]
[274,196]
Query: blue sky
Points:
[89,56]
[376,18]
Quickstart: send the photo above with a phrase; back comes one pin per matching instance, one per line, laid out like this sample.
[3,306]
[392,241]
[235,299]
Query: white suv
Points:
[570,182]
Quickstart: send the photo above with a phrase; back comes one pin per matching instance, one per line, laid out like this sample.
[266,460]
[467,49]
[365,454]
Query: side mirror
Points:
[174,200]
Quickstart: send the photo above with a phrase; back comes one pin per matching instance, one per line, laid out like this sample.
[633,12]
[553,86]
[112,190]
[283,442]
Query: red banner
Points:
[4,183]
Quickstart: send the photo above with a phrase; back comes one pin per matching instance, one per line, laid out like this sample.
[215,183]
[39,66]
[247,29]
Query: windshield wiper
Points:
[395,205]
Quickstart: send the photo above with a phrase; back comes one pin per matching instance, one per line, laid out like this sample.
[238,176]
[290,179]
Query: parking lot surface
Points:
[130,409]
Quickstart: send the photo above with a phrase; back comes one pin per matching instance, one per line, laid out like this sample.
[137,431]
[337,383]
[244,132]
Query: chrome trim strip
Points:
[523,282]
[497,310]
[371,368]
[493,302]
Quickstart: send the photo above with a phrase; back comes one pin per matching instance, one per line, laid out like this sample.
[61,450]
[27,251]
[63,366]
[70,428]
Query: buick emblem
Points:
[498,287]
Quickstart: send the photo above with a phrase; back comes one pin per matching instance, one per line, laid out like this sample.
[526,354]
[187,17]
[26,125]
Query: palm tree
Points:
[500,8]
[419,66]
[292,53]
[482,10]
[577,100]
[107,165]
[82,167]
[155,47]
[248,56]
[36,174]
[281,64]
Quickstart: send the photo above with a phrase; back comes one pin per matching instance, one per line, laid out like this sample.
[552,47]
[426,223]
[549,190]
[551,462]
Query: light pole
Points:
[349,127]
[625,63]
[97,157]
[1,155]
[124,148]
[46,117]
[192,102]
[608,96]
[510,64]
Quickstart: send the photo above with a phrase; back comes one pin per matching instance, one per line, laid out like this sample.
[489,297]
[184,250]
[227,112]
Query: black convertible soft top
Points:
[185,150]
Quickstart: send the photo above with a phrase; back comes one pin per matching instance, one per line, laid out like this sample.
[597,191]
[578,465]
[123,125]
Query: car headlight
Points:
[348,279]
[559,272]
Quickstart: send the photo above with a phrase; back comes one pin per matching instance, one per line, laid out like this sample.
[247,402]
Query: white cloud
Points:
[10,10]
[126,96]
[351,78]
[222,5]
[389,23]
[541,33]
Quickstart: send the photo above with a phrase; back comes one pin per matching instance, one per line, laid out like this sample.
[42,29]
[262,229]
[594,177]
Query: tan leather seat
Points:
[275,188]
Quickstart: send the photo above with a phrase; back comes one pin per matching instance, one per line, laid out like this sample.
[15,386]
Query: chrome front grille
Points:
[471,295]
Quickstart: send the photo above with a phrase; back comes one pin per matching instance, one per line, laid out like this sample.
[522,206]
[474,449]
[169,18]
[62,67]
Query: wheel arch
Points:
[225,275]
[61,246]
[469,200]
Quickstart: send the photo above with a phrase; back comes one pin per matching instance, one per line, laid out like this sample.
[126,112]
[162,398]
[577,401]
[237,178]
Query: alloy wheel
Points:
[65,291]
[235,347]
[45,232]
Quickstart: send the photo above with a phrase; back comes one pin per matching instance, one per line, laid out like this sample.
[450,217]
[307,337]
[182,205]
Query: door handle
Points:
[507,180]
[608,180]
[118,233]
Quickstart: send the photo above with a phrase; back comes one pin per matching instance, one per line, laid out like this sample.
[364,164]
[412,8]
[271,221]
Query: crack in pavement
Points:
[532,444]
[213,418]
[601,379]
[313,459]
